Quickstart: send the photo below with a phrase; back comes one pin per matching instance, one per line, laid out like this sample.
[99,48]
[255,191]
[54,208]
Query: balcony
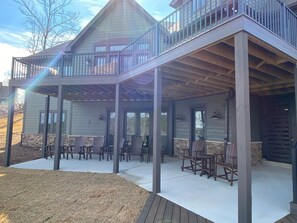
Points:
[192,19]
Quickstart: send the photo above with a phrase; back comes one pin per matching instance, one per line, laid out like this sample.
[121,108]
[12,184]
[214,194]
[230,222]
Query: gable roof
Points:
[100,16]
[63,47]
[176,3]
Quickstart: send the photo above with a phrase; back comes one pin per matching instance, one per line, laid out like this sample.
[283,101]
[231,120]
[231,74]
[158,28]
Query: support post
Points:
[243,128]
[59,129]
[157,131]
[293,204]
[12,92]
[170,129]
[45,125]
[116,143]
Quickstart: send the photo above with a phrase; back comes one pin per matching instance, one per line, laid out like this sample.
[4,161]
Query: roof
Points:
[176,3]
[100,16]
[4,92]
[63,47]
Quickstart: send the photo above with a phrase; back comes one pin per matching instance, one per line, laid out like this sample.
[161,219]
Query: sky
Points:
[12,31]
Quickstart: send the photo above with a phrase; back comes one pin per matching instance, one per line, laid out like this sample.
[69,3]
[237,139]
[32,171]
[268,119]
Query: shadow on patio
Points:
[214,200]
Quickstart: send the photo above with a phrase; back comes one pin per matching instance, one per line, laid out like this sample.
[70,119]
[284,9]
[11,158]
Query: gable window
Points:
[100,49]
[52,122]
[116,47]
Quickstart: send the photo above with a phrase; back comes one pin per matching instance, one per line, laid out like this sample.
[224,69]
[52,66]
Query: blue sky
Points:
[12,32]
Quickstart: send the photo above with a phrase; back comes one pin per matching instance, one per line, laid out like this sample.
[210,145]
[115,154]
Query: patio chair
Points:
[194,156]
[50,148]
[227,161]
[122,150]
[78,148]
[135,148]
[96,148]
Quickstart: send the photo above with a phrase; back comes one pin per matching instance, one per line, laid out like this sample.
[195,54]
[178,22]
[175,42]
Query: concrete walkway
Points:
[214,200]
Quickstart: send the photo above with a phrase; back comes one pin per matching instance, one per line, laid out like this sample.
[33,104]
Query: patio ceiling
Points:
[208,71]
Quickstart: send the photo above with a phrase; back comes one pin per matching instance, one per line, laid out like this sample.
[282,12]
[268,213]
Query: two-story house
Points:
[212,69]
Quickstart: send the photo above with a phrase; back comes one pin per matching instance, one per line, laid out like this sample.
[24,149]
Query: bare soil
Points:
[56,196]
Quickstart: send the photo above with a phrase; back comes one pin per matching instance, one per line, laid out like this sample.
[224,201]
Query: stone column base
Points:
[293,208]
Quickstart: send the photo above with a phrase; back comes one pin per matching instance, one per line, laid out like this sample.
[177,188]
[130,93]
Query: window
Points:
[198,129]
[52,122]
[116,47]
[131,125]
[100,49]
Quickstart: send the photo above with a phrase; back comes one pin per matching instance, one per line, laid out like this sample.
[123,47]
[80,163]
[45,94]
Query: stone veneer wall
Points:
[179,145]
[35,140]
[218,147]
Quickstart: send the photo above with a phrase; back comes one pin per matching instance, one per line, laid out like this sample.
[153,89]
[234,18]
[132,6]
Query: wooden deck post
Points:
[59,128]
[293,204]
[157,131]
[45,125]
[170,128]
[243,128]
[116,160]
[10,115]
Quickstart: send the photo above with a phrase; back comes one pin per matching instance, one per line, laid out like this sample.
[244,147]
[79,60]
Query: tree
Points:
[48,22]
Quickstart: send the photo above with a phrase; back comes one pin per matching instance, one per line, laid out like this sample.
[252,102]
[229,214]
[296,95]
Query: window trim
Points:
[52,122]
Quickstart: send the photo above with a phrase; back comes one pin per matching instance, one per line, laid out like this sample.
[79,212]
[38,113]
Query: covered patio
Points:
[240,53]
[214,200]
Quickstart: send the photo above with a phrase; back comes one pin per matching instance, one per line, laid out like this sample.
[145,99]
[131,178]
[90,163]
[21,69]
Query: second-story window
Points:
[116,47]
[100,49]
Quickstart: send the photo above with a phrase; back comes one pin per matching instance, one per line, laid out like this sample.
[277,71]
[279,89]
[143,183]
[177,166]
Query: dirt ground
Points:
[28,196]
[55,196]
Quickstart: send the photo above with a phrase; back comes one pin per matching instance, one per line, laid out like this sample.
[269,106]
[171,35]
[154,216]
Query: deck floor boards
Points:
[288,219]
[158,210]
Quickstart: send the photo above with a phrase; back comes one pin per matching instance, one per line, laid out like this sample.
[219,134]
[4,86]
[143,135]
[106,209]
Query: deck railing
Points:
[66,65]
[188,21]
[275,16]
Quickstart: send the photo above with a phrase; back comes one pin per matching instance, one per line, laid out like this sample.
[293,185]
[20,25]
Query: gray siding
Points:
[215,128]
[85,118]
[35,103]
[123,21]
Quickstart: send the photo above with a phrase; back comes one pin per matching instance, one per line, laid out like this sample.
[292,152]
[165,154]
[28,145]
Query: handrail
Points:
[66,65]
[188,21]
[196,16]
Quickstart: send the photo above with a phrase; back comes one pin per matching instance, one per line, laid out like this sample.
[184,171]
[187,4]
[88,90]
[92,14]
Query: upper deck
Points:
[195,25]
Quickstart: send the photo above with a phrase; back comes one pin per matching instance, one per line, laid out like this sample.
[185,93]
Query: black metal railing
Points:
[188,21]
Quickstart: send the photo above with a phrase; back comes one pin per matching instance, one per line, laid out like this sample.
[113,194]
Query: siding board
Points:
[35,104]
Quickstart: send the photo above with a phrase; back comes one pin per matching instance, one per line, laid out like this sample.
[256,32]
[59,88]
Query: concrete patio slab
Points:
[214,200]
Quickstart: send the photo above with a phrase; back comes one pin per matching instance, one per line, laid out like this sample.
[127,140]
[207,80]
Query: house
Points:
[212,69]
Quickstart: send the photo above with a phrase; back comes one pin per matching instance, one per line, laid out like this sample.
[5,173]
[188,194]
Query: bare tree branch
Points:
[48,22]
